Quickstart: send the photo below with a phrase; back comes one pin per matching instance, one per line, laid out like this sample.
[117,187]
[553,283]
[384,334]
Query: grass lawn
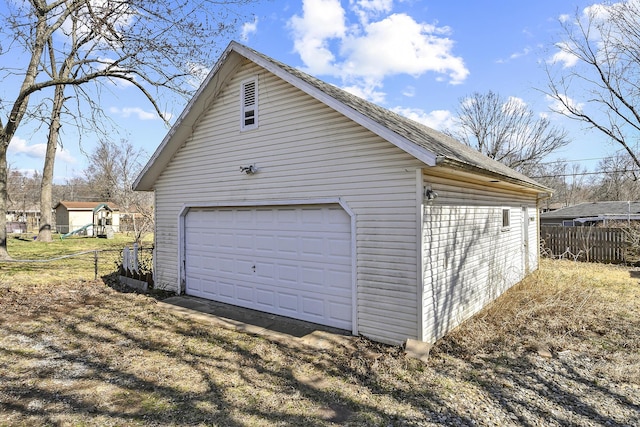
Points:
[81,266]
[561,348]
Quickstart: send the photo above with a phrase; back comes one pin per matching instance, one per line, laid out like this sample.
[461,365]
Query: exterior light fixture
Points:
[249,170]
[429,194]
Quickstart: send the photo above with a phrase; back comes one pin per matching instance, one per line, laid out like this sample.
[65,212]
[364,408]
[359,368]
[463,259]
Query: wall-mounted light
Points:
[249,170]
[429,194]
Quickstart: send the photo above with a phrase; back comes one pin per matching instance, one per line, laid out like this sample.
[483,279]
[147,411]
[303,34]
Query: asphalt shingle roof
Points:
[71,205]
[432,140]
[594,209]
[429,145]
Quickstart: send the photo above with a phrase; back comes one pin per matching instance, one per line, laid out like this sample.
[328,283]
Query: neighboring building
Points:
[279,192]
[22,220]
[595,213]
[87,218]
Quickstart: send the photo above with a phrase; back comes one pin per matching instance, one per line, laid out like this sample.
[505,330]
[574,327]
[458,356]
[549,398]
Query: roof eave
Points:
[189,116]
[456,164]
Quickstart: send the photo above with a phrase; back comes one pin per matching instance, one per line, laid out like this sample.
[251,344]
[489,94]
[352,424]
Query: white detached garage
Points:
[278,192]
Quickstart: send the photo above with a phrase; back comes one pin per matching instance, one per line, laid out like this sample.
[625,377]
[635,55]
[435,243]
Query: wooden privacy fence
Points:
[591,244]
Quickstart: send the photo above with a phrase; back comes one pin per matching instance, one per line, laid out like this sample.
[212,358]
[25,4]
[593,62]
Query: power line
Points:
[585,173]
[571,161]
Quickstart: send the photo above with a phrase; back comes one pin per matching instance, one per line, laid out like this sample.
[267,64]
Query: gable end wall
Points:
[303,150]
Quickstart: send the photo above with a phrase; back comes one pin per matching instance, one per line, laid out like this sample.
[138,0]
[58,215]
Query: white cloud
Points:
[515,101]
[564,56]
[198,73]
[559,107]
[523,52]
[400,45]
[409,91]
[598,11]
[593,17]
[19,146]
[437,119]
[369,9]
[249,28]
[93,14]
[321,21]
[363,54]
[367,91]
[127,112]
[104,63]
[564,18]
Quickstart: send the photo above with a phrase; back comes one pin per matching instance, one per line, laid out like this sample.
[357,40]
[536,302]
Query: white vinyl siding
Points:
[469,257]
[303,150]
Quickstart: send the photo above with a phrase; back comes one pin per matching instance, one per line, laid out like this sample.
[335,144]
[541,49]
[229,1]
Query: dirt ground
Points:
[562,348]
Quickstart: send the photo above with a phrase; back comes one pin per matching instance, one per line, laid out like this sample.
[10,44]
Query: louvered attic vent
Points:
[249,106]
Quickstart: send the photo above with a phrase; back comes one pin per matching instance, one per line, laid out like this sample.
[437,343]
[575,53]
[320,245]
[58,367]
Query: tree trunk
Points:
[3,198]
[46,188]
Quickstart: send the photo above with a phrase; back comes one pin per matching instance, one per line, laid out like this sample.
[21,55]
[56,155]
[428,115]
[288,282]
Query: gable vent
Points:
[249,107]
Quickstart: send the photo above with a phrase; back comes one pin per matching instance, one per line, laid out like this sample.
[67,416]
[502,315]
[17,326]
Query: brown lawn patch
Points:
[82,353]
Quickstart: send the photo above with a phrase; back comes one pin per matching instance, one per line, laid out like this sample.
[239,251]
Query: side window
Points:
[506,218]
[249,104]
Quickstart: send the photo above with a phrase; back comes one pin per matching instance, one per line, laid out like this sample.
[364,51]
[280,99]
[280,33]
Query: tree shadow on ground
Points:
[90,355]
[121,360]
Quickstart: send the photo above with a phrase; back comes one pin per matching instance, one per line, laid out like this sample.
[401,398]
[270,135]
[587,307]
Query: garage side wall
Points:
[303,150]
[469,256]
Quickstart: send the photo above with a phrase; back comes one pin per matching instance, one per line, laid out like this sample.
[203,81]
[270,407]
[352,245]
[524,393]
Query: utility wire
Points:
[570,161]
[585,173]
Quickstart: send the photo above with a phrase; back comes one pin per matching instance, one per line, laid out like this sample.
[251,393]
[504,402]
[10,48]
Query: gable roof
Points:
[594,209]
[426,144]
[84,206]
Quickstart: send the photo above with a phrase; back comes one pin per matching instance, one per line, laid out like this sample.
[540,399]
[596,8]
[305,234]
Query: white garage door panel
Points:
[291,261]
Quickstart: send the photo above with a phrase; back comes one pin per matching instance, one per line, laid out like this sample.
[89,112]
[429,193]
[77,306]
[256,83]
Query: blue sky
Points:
[418,58]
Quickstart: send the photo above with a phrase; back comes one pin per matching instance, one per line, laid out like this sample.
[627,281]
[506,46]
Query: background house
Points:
[22,218]
[90,218]
[595,213]
[281,193]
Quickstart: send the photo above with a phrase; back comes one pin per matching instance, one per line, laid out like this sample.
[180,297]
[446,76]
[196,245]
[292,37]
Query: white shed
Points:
[86,218]
[279,192]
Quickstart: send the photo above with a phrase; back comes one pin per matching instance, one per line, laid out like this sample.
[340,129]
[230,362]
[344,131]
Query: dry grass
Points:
[588,309]
[81,353]
[80,267]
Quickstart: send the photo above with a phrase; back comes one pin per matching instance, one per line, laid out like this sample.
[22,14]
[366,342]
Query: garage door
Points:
[291,261]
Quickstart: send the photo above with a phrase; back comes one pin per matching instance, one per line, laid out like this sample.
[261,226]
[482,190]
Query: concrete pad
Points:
[257,322]
[418,350]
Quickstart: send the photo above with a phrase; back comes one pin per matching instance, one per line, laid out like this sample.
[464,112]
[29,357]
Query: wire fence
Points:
[84,265]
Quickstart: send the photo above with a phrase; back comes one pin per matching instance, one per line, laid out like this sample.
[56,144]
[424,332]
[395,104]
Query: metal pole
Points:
[95,265]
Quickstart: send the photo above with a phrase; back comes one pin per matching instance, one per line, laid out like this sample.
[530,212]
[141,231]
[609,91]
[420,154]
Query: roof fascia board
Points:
[408,146]
[454,164]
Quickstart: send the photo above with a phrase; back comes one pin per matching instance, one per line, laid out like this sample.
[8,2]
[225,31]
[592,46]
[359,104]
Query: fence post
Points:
[134,263]
[125,259]
[95,265]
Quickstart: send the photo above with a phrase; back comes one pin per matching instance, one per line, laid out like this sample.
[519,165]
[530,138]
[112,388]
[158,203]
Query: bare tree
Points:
[22,189]
[76,188]
[506,130]
[569,182]
[112,169]
[46,187]
[594,75]
[618,179]
[154,45]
